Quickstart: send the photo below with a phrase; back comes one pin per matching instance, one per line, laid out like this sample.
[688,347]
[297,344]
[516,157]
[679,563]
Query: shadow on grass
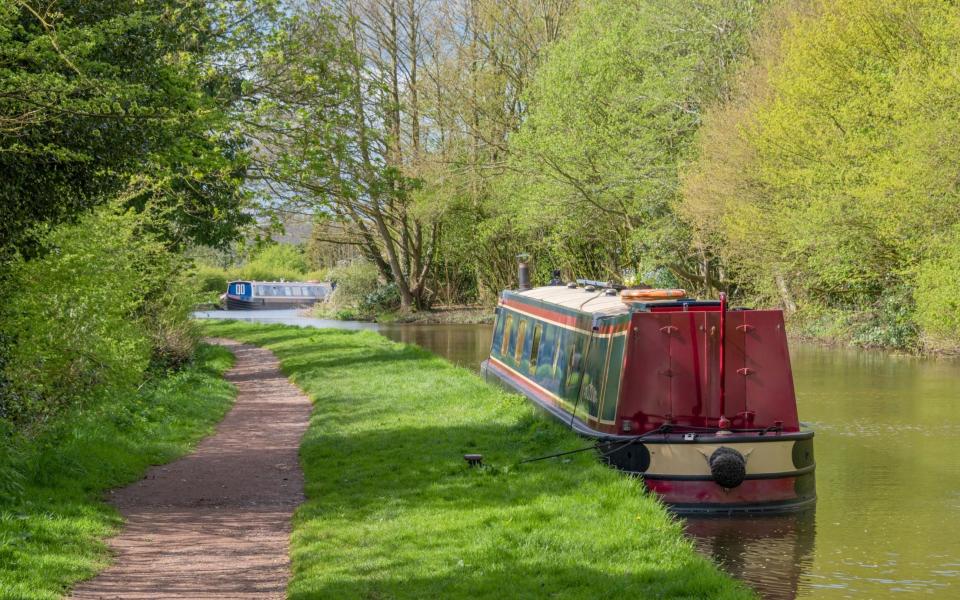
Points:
[393,510]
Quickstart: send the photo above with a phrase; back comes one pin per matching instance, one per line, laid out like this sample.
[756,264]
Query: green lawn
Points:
[52,519]
[394,512]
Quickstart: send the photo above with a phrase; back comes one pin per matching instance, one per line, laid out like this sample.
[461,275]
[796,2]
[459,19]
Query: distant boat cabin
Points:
[246,295]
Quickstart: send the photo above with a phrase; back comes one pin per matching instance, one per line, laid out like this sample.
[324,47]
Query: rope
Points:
[596,446]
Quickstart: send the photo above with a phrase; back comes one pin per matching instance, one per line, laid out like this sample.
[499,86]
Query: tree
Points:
[613,112]
[100,98]
[843,175]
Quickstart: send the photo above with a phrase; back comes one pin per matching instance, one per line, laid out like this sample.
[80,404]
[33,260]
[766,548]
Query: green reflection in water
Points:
[888,472]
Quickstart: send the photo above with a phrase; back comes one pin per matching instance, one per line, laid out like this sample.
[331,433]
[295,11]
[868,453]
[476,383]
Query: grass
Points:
[394,512]
[52,519]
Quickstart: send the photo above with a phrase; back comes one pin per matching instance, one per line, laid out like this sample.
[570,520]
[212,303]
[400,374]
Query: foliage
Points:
[384,298]
[938,290]
[353,283]
[834,159]
[209,279]
[613,111]
[273,263]
[52,516]
[88,316]
[106,97]
[544,527]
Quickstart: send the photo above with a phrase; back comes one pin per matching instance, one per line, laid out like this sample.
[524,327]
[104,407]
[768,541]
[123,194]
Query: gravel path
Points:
[216,523]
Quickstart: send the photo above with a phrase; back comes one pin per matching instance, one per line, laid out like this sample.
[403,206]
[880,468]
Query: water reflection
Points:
[463,345]
[296,317]
[887,520]
[771,554]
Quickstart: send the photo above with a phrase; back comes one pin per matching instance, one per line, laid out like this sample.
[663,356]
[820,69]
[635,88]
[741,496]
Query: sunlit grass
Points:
[52,518]
[393,510]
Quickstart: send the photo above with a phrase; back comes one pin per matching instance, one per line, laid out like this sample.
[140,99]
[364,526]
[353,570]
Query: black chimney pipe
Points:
[523,272]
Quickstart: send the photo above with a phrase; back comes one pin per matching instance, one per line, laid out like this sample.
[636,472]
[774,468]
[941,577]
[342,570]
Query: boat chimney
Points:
[523,272]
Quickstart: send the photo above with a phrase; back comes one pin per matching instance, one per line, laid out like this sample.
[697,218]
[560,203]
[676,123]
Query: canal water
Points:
[887,520]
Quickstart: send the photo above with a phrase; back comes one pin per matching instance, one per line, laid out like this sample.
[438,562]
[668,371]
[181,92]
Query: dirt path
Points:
[216,523]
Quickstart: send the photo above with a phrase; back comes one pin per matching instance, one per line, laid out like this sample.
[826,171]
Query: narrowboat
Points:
[247,295]
[695,397]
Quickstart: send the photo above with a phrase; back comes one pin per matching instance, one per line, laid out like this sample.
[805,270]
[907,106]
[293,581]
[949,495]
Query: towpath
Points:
[216,523]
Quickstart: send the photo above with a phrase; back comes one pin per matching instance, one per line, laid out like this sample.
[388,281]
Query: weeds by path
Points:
[393,510]
[52,517]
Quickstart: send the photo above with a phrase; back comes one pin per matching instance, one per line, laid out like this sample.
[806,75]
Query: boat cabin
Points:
[274,294]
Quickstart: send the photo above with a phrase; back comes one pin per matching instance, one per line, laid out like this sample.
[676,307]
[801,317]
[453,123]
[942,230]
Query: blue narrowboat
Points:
[247,295]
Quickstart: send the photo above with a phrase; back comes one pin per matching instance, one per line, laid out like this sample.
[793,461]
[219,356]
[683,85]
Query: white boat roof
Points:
[252,282]
[596,302]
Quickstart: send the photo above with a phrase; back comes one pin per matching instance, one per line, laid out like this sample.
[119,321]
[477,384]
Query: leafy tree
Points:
[837,160]
[613,112]
[107,97]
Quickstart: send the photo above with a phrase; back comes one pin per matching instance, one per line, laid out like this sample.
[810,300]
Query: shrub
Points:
[938,291]
[354,282]
[384,298]
[90,314]
[276,262]
[210,279]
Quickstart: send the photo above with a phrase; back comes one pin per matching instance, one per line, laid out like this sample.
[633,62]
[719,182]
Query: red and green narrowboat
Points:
[695,397]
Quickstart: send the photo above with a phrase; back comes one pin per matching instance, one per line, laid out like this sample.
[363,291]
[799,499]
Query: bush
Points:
[354,282]
[275,262]
[209,279]
[938,291]
[90,315]
[382,299]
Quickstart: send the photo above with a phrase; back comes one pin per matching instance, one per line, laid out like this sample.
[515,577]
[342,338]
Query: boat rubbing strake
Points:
[704,395]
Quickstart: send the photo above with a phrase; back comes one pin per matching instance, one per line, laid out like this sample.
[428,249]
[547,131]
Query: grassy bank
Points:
[52,519]
[394,512]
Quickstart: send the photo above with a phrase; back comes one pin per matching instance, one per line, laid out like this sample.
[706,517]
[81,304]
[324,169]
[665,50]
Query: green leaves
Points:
[103,98]
[836,157]
[612,114]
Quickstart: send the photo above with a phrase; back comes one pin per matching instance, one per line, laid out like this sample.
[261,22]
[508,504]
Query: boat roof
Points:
[596,302]
[254,282]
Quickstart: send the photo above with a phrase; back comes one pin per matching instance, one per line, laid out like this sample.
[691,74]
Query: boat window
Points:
[573,362]
[505,342]
[241,289]
[286,290]
[535,345]
[518,351]
[275,291]
[556,352]
[261,290]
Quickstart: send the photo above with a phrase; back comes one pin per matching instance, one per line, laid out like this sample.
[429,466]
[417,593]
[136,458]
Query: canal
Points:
[887,520]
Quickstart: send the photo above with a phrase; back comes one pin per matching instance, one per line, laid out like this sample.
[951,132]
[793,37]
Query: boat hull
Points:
[779,471]
[233,303]
[676,465]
